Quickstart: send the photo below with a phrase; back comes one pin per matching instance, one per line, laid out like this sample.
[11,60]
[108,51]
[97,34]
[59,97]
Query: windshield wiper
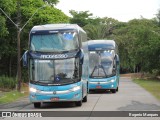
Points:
[97,67]
[104,70]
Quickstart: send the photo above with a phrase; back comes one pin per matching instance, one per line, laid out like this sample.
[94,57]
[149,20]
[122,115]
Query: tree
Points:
[100,28]
[139,45]
[9,6]
[80,18]
[96,31]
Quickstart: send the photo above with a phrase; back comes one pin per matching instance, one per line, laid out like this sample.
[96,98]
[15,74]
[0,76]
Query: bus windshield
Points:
[54,71]
[101,63]
[60,41]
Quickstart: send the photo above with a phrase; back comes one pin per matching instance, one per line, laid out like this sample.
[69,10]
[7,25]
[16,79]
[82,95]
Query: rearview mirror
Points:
[117,59]
[25,59]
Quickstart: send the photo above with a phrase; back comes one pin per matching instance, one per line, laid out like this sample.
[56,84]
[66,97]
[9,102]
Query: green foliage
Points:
[9,6]
[96,31]
[80,18]
[7,82]
[100,28]
[25,76]
[138,42]
[44,15]
[3,29]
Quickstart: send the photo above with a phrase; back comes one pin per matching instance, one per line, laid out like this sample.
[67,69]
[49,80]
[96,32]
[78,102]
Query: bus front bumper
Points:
[103,84]
[55,96]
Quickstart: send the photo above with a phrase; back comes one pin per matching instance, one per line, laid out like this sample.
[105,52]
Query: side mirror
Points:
[81,60]
[25,59]
[117,59]
[81,57]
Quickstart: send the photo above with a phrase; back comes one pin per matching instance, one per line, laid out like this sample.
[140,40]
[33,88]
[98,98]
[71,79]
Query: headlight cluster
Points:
[75,88]
[113,80]
[31,89]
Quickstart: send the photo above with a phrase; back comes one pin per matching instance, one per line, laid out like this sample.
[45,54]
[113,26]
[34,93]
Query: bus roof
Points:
[101,44]
[48,27]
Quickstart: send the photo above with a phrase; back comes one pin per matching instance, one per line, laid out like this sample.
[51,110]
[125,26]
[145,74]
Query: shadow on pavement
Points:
[135,105]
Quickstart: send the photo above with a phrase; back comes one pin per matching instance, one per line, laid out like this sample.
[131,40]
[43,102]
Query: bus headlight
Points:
[32,89]
[113,80]
[75,88]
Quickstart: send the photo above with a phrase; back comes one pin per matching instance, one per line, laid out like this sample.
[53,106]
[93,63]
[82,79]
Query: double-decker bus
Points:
[57,63]
[103,65]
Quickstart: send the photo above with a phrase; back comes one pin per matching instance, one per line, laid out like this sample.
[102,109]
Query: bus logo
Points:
[54,92]
[54,56]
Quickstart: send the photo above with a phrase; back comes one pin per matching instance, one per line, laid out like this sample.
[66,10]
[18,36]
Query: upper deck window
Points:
[60,41]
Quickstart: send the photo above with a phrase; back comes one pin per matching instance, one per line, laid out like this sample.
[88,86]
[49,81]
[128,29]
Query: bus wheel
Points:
[79,103]
[85,99]
[117,89]
[37,105]
[113,90]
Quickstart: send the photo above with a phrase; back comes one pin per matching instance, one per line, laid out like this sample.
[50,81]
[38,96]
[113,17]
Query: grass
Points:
[8,97]
[152,86]
[7,82]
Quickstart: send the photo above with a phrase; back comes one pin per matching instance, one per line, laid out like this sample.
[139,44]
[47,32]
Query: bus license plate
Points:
[98,86]
[55,99]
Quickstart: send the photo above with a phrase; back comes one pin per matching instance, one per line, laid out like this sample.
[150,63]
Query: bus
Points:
[103,65]
[57,61]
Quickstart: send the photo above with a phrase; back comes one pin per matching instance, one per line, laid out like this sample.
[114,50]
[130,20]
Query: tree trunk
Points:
[10,66]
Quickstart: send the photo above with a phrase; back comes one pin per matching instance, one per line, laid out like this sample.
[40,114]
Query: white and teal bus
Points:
[58,64]
[103,65]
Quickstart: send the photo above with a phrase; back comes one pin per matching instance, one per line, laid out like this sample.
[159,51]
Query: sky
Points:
[122,10]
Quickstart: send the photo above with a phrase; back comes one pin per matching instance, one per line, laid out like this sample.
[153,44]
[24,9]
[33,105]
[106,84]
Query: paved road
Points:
[129,98]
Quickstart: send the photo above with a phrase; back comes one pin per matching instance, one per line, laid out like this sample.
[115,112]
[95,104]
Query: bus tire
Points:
[87,88]
[113,90]
[85,99]
[79,103]
[37,105]
[117,89]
